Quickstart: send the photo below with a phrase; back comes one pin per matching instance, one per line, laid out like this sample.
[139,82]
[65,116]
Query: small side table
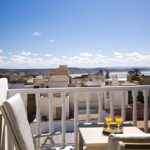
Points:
[94,139]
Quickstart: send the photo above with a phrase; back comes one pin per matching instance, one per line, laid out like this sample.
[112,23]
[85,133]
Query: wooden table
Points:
[93,138]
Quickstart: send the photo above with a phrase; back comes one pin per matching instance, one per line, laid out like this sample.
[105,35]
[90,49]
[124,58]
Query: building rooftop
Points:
[62,70]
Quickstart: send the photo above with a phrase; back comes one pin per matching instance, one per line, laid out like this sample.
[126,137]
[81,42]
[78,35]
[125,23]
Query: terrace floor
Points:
[57,139]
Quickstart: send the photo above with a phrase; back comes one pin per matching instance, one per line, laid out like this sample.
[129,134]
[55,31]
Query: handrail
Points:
[78,89]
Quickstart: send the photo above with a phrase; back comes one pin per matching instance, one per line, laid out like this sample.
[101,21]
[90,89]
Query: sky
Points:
[77,33]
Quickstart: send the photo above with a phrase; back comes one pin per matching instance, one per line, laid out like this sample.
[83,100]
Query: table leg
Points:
[80,142]
[1,123]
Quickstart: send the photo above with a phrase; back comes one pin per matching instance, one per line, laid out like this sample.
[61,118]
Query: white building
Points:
[58,77]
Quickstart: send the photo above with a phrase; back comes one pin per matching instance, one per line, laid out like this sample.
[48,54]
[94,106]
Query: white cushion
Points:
[3,89]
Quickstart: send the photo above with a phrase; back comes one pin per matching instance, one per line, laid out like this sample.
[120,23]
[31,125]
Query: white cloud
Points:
[26,53]
[3,58]
[37,34]
[86,54]
[118,54]
[51,41]
[1,51]
[27,59]
[48,55]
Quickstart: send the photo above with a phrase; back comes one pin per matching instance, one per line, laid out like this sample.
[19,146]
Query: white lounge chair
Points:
[3,89]
[14,113]
[3,97]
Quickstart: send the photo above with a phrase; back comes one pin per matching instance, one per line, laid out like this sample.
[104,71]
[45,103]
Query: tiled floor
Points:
[57,138]
[69,134]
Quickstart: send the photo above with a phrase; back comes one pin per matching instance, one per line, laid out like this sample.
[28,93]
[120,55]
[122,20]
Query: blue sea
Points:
[120,75]
[123,75]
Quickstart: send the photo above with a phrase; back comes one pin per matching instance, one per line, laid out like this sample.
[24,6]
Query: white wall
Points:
[44,110]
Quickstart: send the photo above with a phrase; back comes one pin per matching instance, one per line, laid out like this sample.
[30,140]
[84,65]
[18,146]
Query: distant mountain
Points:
[26,71]
[110,69]
[74,70]
[83,70]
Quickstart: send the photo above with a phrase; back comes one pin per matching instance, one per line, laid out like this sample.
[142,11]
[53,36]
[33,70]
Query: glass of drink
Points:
[108,121]
[118,121]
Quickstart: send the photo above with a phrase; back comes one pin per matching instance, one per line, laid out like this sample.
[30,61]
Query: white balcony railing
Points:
[75,91]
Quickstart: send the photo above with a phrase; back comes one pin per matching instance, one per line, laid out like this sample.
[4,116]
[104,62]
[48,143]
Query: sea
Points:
[123,75]
[120,75]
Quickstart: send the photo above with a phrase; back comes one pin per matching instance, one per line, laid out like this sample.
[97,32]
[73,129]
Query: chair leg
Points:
[2,133]
[1,124]
[49,137]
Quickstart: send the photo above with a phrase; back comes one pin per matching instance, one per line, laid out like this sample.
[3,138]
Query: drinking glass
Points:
[108,121]
[118,121]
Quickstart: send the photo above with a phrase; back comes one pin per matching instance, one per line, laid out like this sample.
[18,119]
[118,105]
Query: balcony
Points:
[66,128]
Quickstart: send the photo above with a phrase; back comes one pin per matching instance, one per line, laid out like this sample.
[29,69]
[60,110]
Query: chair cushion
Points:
[133,146]
[3,89]
[16,114]
[131,138]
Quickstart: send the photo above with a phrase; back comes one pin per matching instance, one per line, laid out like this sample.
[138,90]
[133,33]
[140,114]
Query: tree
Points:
[135,75]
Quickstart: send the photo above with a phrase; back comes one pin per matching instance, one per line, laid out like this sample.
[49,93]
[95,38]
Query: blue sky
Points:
[80,33]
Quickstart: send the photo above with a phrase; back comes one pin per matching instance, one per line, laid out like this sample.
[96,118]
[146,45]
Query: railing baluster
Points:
[111,104]
[106,99]
[134,115]
[123,103]
[146,114]
[38,131]
[100,105]
[63,119]
[75,99]
[87,108]
[50,109]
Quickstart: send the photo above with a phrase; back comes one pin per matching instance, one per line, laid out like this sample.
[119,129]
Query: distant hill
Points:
[112,69]
[26,71]
[74,70]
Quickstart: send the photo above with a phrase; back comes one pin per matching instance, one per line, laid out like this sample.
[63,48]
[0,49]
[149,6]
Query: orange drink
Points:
[108,121]
[118,121]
